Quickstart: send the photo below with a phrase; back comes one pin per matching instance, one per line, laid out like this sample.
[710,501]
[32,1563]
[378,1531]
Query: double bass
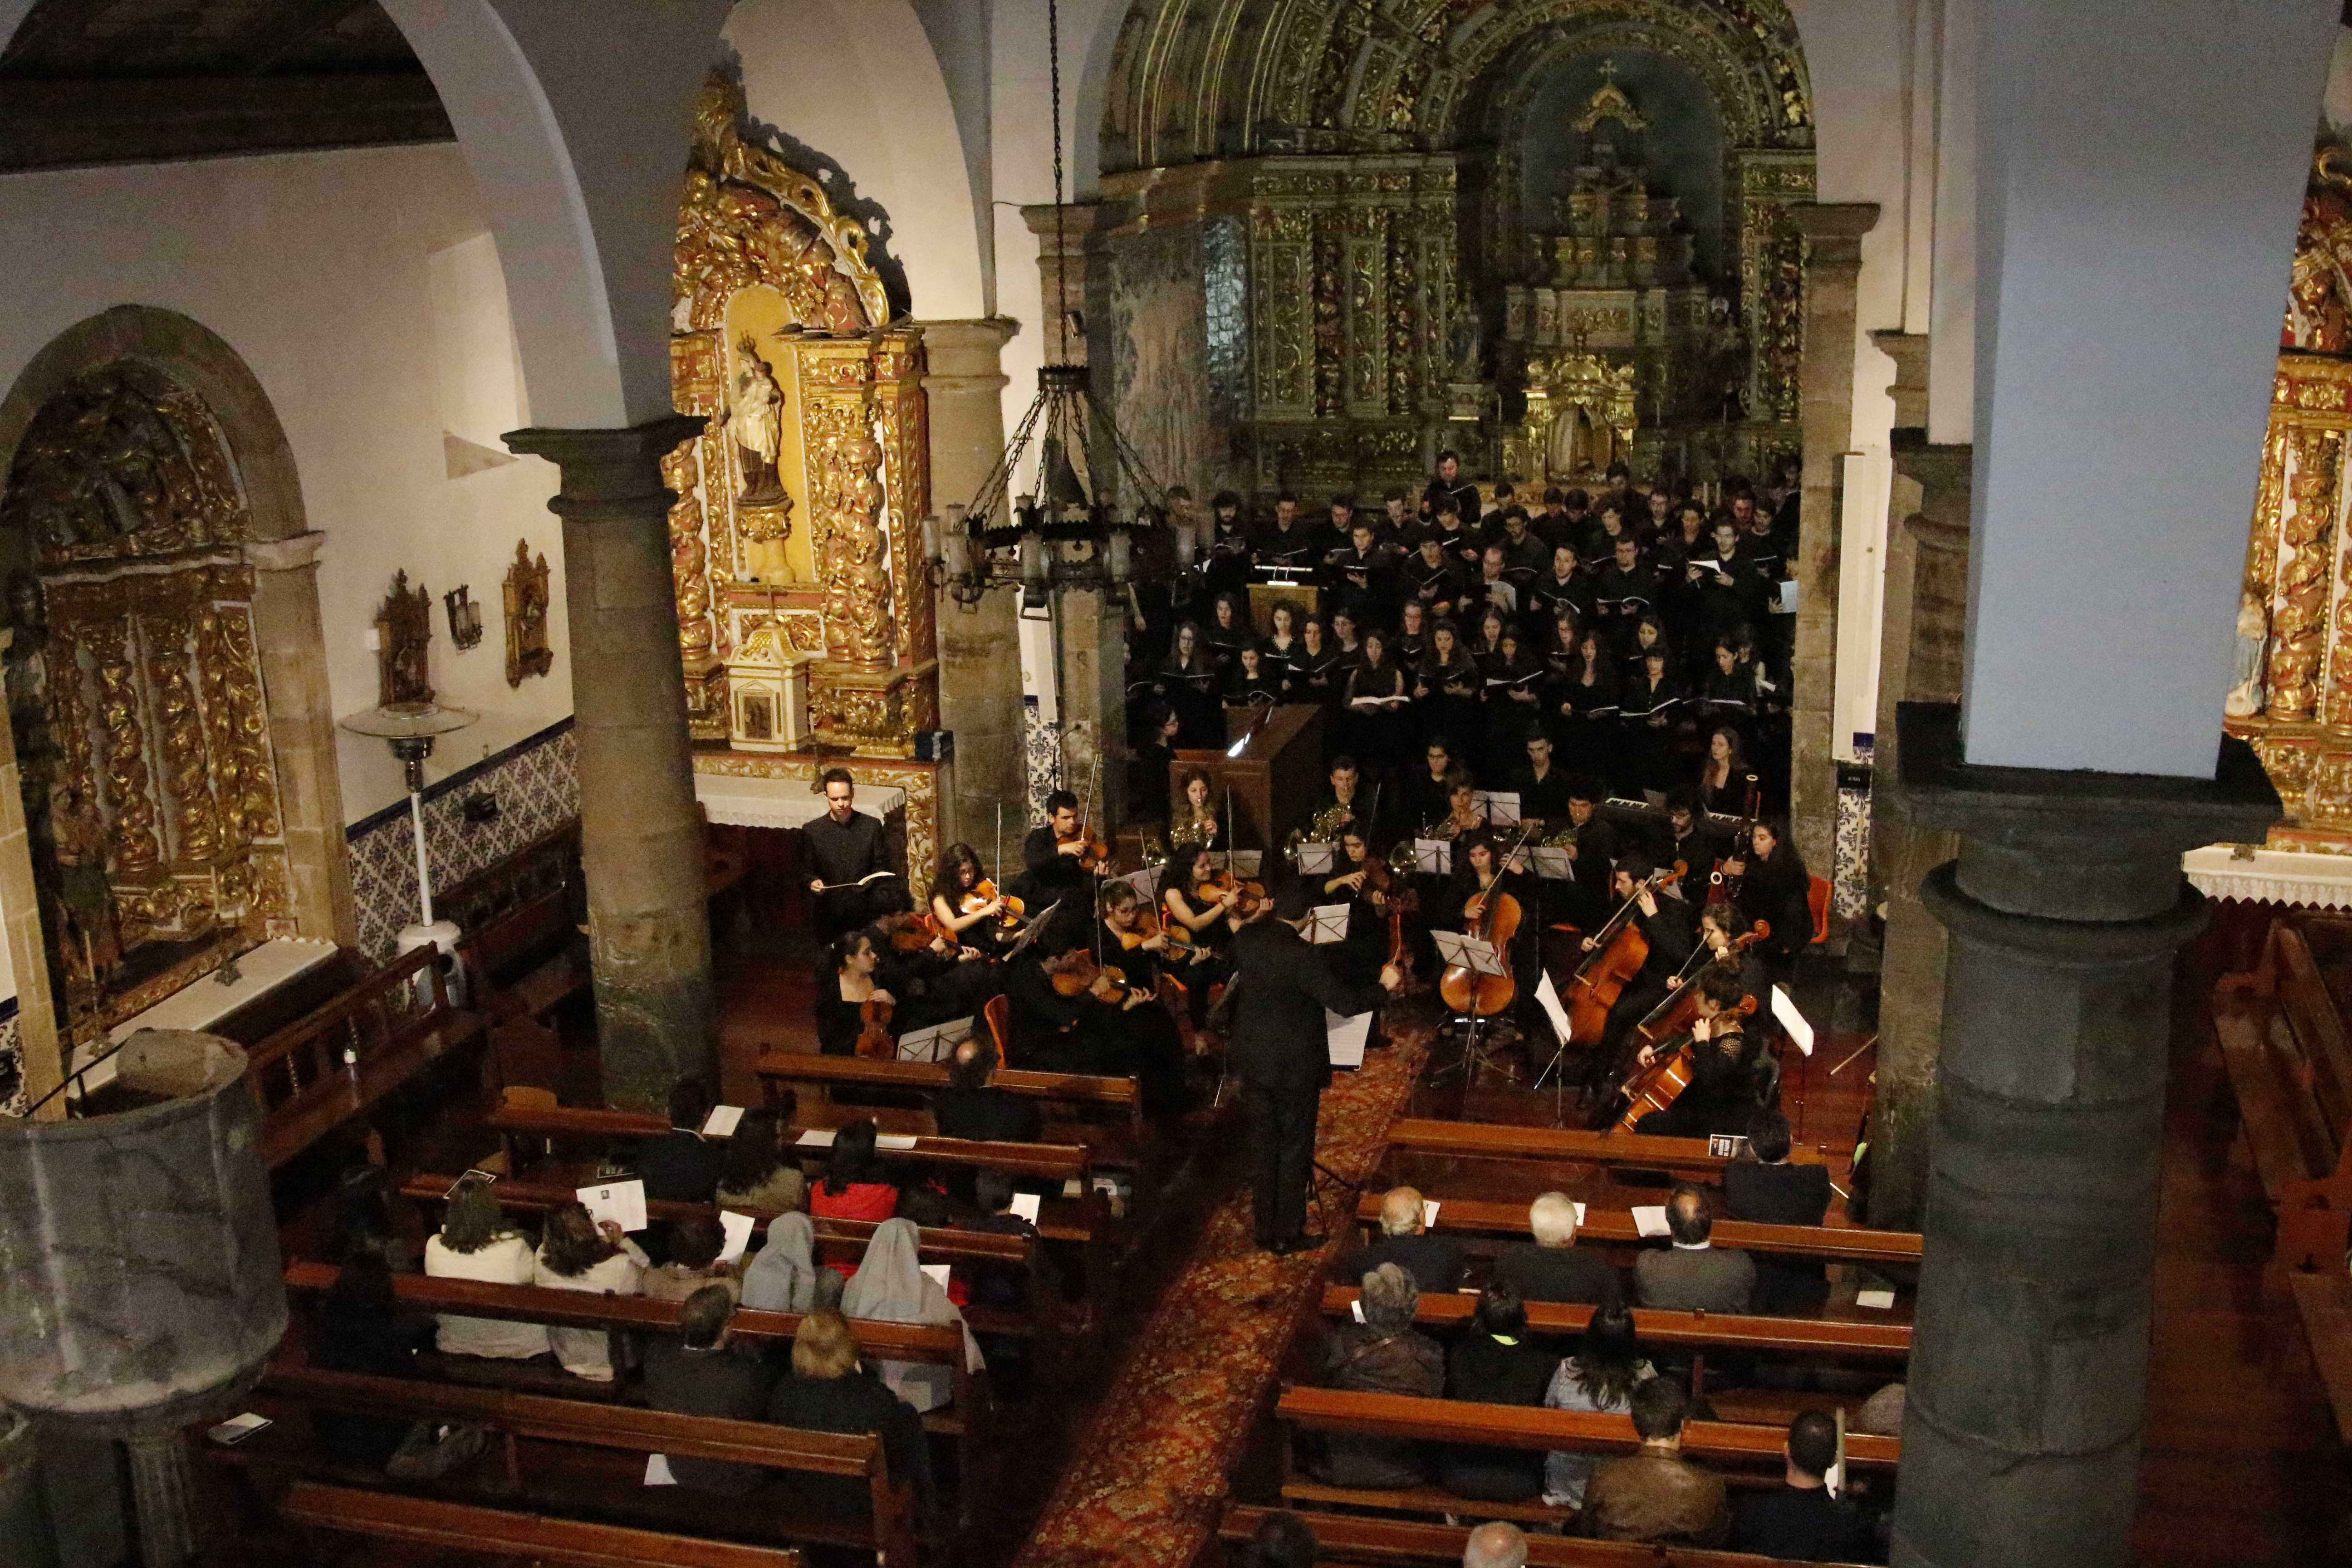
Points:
[1659,1085]
[1619,951]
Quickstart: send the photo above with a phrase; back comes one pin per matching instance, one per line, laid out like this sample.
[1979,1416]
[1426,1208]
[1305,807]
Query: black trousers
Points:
[1281,1157]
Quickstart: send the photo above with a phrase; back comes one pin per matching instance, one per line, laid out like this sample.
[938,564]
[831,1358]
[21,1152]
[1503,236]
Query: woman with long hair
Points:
[1446,691]
[1195,824]
[1228,631]
[1281,639]
[842,991]
[1205,913]
[1248,682]
[753,1172]
[1600,1377]
[1411,644]
[957,885]
[1727,785]
[1775,888]
[1585,700]
[1309,675]
[474,1242]
[1379,729]
[1645,716]
[1187,681]
[1514,700]
[855,1183]
[577,1253]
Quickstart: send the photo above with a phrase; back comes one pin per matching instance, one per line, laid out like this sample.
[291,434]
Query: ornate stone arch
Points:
[203,629]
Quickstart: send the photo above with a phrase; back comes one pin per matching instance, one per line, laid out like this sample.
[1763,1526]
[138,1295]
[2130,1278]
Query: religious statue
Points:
[1467,341]
[2245,698]
[88,943]
[525,596]
[404,629]
[755,417]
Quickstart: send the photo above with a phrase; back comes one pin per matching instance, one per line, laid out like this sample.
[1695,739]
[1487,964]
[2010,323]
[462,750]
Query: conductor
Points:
[1280,989]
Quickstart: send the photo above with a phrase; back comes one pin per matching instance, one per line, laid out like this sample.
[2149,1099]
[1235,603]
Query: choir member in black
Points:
[1343,518]
[1648,632]
[1281,644]
[1494,587]
[1684,843]
[1194,824]
[1228,631]
[1561,582]
[933,978]
[1623,590]
[1669,927]
[1425,802]
[1683,540]
[1379,723]
[1765,555]
[1308,677]
[1450,489]
[1361,573]
[842,991]
[1431,578]
[1160,733]
[1558,642]
[1584,705]
[1660,519]
[1583,899]
[1187,682]
[1102,1028]
[1249,683]
[1605,533]
[1727,785]
[1346,651]
[1226,563]
[981,925]
[1289,539]
[1774,887]
[1722,596]
[1725,697]
[1514,680]
[845,852]
[1049,857]
[1541,784]
[1646,714]
[1410,645]
[1486,638]
[1524,556]
[1575,524]
[1459,541]
[1446,692]
[1200,901]
[1720,1095]
[1397,519]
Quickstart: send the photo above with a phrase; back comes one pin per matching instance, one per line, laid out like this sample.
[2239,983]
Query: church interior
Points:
[1053,783]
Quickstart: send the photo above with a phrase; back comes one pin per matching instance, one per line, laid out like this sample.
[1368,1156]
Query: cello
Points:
[1659,1085]
[1673,1016]
[1492,916]
[1619,951]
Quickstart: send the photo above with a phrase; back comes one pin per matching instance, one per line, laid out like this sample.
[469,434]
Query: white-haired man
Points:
[1435,1263]
[1552,1268]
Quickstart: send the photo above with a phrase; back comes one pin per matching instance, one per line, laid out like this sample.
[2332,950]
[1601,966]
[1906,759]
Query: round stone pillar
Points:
[2020,1438]
[640,835]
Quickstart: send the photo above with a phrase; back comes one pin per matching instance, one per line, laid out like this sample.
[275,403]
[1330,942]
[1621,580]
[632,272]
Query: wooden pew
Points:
[1415,1543]
[836,1240]
[1722,1445]
[305,1087]
[1615,1229]
[518,929]
[966,1420]
[2289,1058]
[537,1537]
[1699,1330]
[1122,1096]
[888,1526]
[1617,1151]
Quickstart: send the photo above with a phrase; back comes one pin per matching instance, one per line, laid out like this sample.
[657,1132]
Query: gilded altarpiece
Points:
[800,504]
[135,694]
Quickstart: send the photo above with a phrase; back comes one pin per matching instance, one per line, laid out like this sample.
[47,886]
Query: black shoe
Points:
[1305,1241]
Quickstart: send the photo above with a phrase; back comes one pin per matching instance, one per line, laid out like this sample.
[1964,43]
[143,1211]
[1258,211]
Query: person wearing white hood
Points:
[890,1286]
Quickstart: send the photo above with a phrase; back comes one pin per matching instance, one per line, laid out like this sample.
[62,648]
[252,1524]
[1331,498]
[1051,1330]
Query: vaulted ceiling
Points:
[96,81]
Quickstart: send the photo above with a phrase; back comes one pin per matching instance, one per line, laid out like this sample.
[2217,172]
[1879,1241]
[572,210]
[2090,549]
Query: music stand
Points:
[1480,958]
[1547,997]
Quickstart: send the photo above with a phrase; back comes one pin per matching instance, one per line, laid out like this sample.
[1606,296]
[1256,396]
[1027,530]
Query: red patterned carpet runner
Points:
[1151,1481]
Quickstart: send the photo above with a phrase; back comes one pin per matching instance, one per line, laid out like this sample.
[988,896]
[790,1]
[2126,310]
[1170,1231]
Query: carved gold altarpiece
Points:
[135,692]
[800,508]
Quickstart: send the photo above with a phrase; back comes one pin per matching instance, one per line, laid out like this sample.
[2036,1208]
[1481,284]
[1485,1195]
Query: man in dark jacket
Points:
[1774,1191]
[700,1373]
[1799,1519]
[1279,992]
[969,1108]
[681,1167]
[847,857]
[1435,1264]
[1552,1268]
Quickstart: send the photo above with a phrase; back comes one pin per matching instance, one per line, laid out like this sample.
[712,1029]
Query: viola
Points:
[914,936]
[1093,853]
[1083,976]
[875,1040]
[1220,883]
[1670,1072]
[1673,1016]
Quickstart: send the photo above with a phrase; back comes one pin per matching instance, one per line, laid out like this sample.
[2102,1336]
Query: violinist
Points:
[1145,949]
[1202,901]
[1721,927]
[842,991]
[1360,879]
[1071,1013]
[1720,1095]
[1194,824]
[1053,857]
[965,904]
[934,979]
[1671,929]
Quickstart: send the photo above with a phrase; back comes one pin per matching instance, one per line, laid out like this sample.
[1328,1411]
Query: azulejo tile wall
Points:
[536,787]
[1850,874]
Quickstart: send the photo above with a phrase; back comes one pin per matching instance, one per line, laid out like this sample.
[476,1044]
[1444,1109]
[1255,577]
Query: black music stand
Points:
[1480,958]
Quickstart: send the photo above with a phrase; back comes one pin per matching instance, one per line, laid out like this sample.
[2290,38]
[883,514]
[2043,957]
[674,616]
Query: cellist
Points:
[1718,1099]
[1670,928]
[1480,876]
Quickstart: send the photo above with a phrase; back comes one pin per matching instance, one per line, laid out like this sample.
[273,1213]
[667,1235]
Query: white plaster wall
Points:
[858,81]
[318,269]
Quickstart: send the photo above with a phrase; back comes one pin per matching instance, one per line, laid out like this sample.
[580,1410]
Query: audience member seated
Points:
[1799,1518]
[1550,1268]
[1001,1286]
[969,1108]
[1496,1544]
[1282,1540]
[700,1372]
[890,1286]
[1880,1415]
[476,1242]
[1600,1377]
[829,1390]
[692,1243]
[1435,1263]
[753,1172]
[1774,1191]
[782,1276]
[681,1167]
[1654,1495]
[1382,1355]
[855,1183]
[1691,1274]
[578,1253]
[358,1327]
[1494,1362]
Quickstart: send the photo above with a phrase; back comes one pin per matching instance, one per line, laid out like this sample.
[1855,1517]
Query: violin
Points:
[1673,1016]
[1220,883]
[914,936]
[980,895]
[1661,1083]
[874,1039]
[1084,975]
[1093,853]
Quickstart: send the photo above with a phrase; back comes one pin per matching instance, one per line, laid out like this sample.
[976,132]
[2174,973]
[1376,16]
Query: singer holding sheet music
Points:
[846,858]
[1280,990]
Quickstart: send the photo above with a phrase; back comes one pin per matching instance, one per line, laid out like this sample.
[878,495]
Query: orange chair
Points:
[1817,900]
[997,1013]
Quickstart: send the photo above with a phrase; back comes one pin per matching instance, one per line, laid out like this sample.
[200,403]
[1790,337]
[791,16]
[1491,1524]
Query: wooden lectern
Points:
[1275,781]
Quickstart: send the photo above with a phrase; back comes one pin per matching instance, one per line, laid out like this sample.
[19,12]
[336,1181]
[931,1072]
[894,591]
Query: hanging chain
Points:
[1061,250]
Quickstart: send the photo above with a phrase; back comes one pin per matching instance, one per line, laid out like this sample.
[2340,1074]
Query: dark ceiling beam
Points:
[286,29]
[68,124]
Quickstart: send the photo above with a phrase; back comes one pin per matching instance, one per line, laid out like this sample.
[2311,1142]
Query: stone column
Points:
[640,835]
[980,644]
[290,635]
[1922,633]
[1825,414]
[2020,1435]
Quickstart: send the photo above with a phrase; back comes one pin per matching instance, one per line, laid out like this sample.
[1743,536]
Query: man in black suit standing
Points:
[1773,1191]
[1280,990]
[847,857]
[969,1107]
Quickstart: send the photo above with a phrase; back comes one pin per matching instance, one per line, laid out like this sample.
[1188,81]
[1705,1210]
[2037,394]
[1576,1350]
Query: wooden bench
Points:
[536,1537]
[516,916]
[887,1525]
[1615,1151]
[1726,1446]
[1614,1230]
[339,1064]
[1121,1097]
[1416,1544]
[966,1420]
[1699,1330]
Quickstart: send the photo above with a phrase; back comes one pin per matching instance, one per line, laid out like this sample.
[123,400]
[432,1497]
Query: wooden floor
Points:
[2241,1464]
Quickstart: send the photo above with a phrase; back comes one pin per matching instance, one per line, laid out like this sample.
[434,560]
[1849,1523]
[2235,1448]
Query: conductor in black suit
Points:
[1279,1054]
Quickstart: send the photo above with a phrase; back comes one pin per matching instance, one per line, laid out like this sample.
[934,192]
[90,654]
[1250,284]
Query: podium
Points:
[1275,781]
